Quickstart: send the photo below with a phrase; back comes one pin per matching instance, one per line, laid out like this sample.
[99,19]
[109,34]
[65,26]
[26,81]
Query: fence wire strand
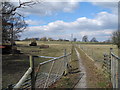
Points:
[51,71]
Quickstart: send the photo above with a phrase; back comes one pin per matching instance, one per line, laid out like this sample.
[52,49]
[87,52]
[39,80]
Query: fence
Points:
[45,74]
[87,50]
[115,70]
[107,66]
[110,65]
[111,68]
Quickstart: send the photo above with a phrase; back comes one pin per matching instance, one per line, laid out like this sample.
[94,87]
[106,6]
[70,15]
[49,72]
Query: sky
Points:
[61,19]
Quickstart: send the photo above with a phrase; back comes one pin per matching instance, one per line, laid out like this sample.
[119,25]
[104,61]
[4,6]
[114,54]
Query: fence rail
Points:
[110,65]
[111,68]
[115,56]
[115,70]
[46,73]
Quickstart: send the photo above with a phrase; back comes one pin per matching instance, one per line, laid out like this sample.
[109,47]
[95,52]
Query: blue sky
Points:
[61,19]
[84,9]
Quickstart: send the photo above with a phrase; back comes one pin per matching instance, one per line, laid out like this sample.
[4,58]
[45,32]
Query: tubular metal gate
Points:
[115,70]
[46,73]
[111,68]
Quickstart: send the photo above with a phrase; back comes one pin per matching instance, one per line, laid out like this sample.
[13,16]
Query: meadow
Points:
[14,66]
[97,51]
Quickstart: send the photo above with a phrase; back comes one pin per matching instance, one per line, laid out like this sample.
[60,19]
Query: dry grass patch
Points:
[14,66]
[72,78]
[95,77]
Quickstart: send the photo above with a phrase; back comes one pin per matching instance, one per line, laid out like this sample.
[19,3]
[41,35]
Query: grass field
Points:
[97,51]
[95,76]
[14,66]
[55,49]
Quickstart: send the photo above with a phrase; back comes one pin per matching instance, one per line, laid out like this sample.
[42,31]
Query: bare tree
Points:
[85,38]
[12,22]
[93,40]
[74,39]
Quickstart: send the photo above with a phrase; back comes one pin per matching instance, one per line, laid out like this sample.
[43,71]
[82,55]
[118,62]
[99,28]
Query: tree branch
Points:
[21,5]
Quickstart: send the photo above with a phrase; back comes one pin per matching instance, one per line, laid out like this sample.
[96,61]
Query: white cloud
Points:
[48,8]
[107,20]
[103,24]
[33,22]
[95,33]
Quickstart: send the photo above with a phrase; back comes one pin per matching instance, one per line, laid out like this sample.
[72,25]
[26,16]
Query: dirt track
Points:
[82,83]
[92,77]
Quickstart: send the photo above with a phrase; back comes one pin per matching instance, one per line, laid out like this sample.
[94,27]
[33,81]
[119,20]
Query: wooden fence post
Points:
[33,73]
[65,62]
[109,58]
[111,66]
[119,68]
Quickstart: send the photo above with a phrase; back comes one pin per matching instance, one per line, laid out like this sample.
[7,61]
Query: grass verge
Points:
[71,79]
[99,80]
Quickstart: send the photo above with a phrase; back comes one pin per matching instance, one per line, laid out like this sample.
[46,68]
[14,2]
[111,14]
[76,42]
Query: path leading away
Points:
[82,83]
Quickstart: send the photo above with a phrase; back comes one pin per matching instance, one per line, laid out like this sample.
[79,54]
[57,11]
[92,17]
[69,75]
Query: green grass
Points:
[42,42]
[71,79]
[14,66]
[54,50]
[96,51]
[95,76]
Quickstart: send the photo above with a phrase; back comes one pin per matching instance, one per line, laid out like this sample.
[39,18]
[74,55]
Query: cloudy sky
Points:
[61,19]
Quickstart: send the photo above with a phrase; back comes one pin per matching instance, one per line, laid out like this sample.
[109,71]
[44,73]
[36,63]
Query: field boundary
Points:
[87,54]
[33,78]
[110,67]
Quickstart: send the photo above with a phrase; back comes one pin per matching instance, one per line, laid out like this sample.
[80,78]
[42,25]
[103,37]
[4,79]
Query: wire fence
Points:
[90,52]
[96,52]
[51,71]
[107,66]
[111,68]
[45,74]
[110,64]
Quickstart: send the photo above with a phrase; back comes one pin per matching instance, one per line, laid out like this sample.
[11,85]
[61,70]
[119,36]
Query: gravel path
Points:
[82,83]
